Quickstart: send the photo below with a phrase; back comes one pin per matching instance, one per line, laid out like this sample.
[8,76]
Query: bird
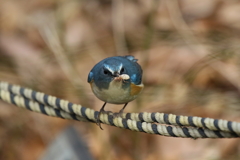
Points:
[116,80]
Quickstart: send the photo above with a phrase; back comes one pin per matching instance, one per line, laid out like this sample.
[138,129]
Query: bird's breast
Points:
[117,92]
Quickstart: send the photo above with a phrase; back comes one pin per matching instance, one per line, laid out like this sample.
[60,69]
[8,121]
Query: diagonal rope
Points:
[142,122]
[172,131]
[163,118]
[179,120]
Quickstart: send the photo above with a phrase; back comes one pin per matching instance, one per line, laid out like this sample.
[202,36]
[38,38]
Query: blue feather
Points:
[90,77]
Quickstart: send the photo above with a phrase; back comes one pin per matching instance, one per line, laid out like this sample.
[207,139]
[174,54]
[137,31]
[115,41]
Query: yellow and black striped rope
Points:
[170,119]
[165,130]
[179,120]
[48,100]
[52,106]
[37,107]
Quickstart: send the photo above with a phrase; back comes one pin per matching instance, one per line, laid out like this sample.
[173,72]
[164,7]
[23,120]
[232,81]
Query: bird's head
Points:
[116,69]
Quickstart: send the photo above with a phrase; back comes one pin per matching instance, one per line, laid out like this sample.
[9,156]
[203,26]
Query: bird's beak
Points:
[116,74]
[117,77]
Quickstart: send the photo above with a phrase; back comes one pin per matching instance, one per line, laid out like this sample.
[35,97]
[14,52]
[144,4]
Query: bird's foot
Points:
[118,114]
[98,122]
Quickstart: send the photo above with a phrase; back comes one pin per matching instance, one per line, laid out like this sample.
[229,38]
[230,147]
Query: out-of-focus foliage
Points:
[189,50]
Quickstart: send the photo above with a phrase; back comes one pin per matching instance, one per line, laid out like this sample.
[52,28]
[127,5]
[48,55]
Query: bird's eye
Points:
[105,71]
[122,70]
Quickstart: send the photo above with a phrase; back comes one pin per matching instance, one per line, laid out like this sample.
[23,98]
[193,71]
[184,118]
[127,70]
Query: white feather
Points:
[114,94]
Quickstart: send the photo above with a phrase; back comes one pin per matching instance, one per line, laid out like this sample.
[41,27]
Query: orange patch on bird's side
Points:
[136,89]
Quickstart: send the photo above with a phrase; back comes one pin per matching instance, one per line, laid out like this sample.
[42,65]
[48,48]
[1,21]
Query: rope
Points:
[171,119]
[36,107]
[154,123]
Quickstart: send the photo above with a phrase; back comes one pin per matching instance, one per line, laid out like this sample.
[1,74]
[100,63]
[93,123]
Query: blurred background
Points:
[188,49]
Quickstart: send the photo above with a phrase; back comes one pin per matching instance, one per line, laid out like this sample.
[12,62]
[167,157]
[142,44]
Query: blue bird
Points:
[116,80]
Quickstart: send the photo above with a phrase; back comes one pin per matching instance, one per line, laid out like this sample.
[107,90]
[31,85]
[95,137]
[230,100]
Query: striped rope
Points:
[142,122]
[36,107]
[44,99]
[171,119]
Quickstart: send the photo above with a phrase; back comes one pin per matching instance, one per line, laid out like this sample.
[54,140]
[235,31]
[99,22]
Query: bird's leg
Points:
[98,118]
[121,111]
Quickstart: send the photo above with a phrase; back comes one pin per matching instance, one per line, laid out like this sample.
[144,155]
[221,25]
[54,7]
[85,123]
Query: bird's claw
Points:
[98,118]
